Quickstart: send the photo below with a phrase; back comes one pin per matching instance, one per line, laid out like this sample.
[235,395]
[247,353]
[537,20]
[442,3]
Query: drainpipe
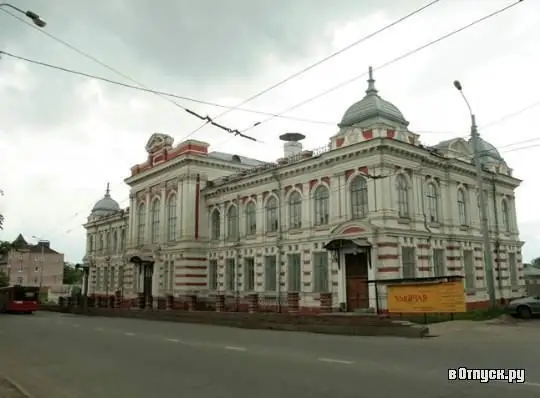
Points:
[279,237]
[237,254]
[497,240]
[423,202]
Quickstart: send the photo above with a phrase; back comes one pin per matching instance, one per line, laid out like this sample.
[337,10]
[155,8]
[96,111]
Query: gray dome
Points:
[372,106]
[106,206]
[488,152]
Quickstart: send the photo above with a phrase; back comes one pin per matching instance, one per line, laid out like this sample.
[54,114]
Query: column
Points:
[241,222]
[179,209]
[335,197]
[342,195]
[260,214]
[188,207]
[222,222]
[147,219]
[306,207]
[131,238]
[163,213]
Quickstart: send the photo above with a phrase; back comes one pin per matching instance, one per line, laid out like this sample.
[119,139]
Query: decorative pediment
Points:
[158,142]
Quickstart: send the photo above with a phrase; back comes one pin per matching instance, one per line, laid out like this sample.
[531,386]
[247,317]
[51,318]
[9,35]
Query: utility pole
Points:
[482,203]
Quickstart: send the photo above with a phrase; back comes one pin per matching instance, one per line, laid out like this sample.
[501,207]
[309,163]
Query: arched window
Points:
[101,242]
[402,187]
[216,224]
[462,207]
[155,221]
[232,222]
[505,215]
[321,198]
[295,210]
[432,197]
[141,223]
[272,214]
[251,219]
[171,218]
[359,197]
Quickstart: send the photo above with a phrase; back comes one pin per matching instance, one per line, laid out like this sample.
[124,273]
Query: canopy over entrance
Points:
[340,244]
[141,260]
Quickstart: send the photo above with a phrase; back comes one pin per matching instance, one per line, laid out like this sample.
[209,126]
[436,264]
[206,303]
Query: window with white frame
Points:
[295,210]
[249,274]
[321,199]
[294,272]
[320,272]
[272,218]
[505,215]
[408,262]
[402,188]
[155,221]
[468,263]
[141,221]
[462,207]
[359,197]
[212,274]
[232,222]
[512,264]
[251,219]
[432,196]
[230,275]
[115,242]
[270,273]
[171,218]
[216,224]
[439,263]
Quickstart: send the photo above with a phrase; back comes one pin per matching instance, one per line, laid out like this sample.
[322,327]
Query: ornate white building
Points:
[374,204]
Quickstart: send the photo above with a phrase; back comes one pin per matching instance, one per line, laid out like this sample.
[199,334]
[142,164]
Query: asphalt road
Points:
[55,355]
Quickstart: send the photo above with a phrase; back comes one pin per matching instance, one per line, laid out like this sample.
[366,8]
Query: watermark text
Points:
[487,375]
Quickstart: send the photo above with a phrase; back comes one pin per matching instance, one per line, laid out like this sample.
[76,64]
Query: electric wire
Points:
[319,62]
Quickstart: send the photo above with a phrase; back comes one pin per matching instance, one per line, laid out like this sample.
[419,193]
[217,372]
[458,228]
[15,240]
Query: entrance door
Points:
[356,275]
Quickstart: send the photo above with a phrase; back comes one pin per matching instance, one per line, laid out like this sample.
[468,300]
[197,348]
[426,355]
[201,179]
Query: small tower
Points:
[292,145]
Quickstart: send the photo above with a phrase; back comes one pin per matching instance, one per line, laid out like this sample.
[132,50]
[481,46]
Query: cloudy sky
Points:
[63,137]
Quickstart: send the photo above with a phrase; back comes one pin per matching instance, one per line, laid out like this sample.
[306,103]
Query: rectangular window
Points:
[294,272]
[212,274]
[439,265]
[249,274]
[512,263]
[320,268]
[270,273]
[408,262]
[468,263]
[230,275]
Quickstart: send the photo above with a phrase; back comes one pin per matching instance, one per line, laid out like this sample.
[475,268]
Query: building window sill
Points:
[464,227]
[404,220]
[434,224]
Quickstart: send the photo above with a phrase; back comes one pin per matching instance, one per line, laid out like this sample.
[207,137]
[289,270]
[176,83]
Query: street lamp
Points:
[30,14]
[41,242]
[482,203]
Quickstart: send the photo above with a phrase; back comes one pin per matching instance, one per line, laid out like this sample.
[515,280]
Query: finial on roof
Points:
[371,83]
[107,191]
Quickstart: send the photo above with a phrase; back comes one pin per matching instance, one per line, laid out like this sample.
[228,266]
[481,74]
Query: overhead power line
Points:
[321,61]
[207,119]
[388,63]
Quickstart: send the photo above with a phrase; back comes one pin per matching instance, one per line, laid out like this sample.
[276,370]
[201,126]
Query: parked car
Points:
[525,307]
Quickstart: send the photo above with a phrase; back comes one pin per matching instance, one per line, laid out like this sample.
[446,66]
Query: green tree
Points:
[4,280]
[72,276]
[536,262]
[5,247]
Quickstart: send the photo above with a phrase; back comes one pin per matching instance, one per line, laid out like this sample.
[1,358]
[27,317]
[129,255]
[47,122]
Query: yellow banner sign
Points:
[425,298]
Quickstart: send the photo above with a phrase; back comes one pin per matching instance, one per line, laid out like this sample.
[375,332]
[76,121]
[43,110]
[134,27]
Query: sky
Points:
[63,137]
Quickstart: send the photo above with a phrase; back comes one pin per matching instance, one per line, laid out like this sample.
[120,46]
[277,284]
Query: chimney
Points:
[292,145]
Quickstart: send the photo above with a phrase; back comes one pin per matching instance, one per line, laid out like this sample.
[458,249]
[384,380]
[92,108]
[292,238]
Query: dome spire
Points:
[107,191]
[371,90]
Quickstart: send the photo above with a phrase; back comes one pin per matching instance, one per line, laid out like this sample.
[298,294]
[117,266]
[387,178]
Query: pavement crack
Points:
[235,348]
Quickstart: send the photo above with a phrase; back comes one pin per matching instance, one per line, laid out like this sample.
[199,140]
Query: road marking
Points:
[335,361]
[529,383]
[98,329]
[129,334]
[235,348]
[173,340]
[75,326]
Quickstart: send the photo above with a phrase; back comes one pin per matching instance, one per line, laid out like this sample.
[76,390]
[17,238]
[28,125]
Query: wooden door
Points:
[356,275]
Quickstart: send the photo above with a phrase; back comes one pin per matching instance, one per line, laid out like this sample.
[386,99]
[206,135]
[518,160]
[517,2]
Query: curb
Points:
[17,386]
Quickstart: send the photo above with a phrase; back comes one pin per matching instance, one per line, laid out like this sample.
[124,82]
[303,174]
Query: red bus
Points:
[21,299]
